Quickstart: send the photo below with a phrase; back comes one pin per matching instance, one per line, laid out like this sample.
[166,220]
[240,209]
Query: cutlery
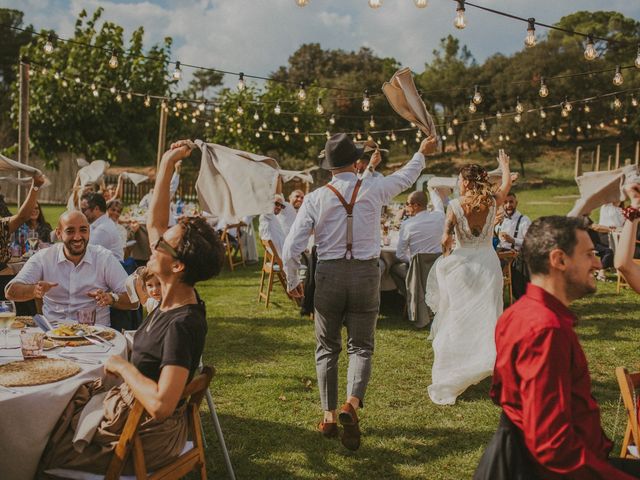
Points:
[92,339]
[9,390]
[79,360]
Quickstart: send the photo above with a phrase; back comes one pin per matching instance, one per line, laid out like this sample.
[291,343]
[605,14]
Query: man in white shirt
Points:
[514,225]
[270,227]
[72,275]
[173,187]
[345,219]
[296,198]
[103,231]
[420,233]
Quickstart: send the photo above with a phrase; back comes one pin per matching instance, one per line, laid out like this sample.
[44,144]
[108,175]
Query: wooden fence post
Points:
[609,162]
[578,167]
[638,153]
[598,158]
[162,136]
[23,122]
[617,156]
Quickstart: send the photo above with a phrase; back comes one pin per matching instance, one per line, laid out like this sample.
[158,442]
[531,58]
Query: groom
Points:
[345,218]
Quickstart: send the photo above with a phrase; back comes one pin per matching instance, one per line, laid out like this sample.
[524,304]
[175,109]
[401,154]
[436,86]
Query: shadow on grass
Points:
[285,451]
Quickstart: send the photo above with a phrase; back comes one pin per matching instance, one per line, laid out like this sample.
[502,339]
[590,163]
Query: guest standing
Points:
[103,231]
[624,259]
[345,218]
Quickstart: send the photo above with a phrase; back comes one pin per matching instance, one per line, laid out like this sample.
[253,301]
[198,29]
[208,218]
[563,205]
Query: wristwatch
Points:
[115,297]
[370,168]
[36,188]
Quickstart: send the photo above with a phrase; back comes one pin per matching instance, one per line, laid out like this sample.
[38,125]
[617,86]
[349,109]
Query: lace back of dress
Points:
[464,236]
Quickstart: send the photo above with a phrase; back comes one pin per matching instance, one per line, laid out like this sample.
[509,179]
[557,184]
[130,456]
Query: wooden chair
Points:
[629,383]
[188,461]
[506,260]
[234,257]
[271,267]
[622,282]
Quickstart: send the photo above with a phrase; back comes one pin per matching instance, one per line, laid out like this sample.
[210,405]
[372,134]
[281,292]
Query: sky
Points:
[257,36]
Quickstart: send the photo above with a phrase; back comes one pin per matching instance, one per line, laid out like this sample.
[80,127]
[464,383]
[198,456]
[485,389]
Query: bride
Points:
[464,288]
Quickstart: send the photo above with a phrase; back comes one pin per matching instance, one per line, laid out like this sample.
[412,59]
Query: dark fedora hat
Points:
[340,151]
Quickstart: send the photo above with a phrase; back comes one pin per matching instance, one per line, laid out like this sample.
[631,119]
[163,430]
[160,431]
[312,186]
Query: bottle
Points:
[179,207]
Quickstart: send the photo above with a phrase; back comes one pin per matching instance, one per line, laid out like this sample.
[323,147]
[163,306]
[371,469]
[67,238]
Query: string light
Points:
[202,106]
[296,129]
[271,136]
[472,107]
[327,134]
[618,79]
[319,107]
[617,104]
[256,117]
[64,83]
[295,119]
[498,115]
[332,119]
[372,122]
[375,4]
[590,52]
[501,138]
[358,136]
[302,3]
[366,101]
[113,61]
[177,73]
[519,106]
[307,139]
[112,90]
[241,83]
[455,121]
[302,93]
[587,108]
[588,126]
[530,39]
[421,3]
[544,90]
[48,46]
[483,126]
[517,118]
[393,135]
[240,110]
[564,113]
[634,101]
[477,96]
[404,142]
[553,132]
[543,114]
[119,98]
[277,109]
[449,130]
[460,21]
[567,105]
[147,101]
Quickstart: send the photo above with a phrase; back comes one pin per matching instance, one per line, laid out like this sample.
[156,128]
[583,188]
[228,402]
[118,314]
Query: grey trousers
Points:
[347,293]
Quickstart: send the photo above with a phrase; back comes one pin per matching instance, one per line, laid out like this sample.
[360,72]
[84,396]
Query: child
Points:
[145,287]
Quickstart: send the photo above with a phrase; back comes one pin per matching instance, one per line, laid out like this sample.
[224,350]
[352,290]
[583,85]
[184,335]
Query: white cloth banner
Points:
[288,175]
[599,188]
[136,178]
[443,182]
[92,172]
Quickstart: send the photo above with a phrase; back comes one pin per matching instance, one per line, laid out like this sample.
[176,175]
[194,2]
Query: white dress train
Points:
[464,290]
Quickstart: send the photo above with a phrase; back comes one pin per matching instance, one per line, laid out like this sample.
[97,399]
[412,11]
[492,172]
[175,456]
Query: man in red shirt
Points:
[541,378]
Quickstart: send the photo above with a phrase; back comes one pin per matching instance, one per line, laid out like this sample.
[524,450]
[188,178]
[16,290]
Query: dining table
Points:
[388,256]
[29,414]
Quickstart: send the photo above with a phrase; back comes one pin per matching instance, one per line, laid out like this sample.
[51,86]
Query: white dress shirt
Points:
[508,226]
[322,213]
[270,228]
[98,269]
[439,205]
[105,233]
[611,216]
[421,233]
[173,188]
[286,217]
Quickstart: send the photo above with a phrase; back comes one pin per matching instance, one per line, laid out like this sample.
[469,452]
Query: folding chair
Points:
[271,266]
[506,260]
[629,382]
[231,252]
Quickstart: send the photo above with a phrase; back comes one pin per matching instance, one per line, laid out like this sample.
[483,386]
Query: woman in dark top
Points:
[39,224]
[166,350]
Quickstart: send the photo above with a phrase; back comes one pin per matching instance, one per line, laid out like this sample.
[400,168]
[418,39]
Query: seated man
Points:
[511,230]
[103,231]
[541,378]
[270,226]
[296,198]
[72,275]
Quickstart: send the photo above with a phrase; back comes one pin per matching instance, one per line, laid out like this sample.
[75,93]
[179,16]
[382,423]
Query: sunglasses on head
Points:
[161,244]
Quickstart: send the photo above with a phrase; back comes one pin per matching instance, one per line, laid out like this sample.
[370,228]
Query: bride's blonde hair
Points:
[478,184]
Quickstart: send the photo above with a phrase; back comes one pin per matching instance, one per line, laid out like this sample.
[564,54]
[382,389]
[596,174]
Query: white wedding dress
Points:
[464,290]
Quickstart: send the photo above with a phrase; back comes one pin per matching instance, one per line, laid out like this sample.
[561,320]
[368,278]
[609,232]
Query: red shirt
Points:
[541,381]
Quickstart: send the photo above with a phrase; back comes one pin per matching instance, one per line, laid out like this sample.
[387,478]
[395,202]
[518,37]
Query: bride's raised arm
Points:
[505,186]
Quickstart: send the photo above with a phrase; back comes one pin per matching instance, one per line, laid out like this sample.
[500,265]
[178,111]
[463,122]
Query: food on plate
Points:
[22,322]
[70,330]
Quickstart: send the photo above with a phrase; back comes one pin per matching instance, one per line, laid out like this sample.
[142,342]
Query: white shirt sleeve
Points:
[31,273]
[115,275]
[525,223]
[436,200]
[400,180]
[296,243]
[174,184]
[263,227]
[402,249]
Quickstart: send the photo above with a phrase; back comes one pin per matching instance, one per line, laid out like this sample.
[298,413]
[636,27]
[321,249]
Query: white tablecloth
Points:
[28,417]
[388,256]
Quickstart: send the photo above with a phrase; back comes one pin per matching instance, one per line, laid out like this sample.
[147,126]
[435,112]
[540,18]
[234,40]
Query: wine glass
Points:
[33,240]
[7,315]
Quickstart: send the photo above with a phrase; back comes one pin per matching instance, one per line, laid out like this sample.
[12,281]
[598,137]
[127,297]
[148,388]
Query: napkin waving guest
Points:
[464,287]
[167,346]
[623,260]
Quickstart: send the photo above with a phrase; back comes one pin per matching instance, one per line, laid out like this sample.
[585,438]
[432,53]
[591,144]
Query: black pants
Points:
[627,465]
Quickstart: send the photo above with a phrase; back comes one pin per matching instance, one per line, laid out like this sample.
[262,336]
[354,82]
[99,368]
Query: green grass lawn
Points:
[266,391]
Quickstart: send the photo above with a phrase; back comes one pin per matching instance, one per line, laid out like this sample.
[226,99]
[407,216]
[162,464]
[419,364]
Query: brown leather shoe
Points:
[349,420]
[329,430]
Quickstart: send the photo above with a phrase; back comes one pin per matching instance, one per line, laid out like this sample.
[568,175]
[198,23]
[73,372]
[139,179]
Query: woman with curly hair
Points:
[464,287]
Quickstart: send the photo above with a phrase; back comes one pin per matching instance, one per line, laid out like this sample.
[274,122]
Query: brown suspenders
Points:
[349,208]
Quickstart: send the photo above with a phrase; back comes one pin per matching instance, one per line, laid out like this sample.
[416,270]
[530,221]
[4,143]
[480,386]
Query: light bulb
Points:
[359,136]
[96,93]
[393,137]
[587,108]
[472,107]
[241,83]
[366,102]
[64,83]
[618,79]
[202,106]
[327,134]
[113,61]
[375,3]
[419,134]
[44,71]
[112,90]
[372,122]
[617,104]
[177,73]
[634,101]
[624,119]
[119,98]
[207,124]
[543,114]
[193,120]
[257,134]
[588,126]
[271,136]
[240,110]
[637,62]
[216,109]
[296,129]
[498,115]
[578,129]
[460,21]
[306,139]
[519,106]
[147,101]
[602,125]
[56,76]
[444,137]
[477,96]
[616,121]
[302,93]
[449,130]
[483,126]
[48,46]
[302,3]
[332,120]
[517,118]
[544,90]
[264,125]
[277,110]
[553,132]
[476,137]
[530,39]
[501,138]
[507,137]
[527,135]
[421,3]
[567,105]
[295,119]
[455,121]
[590,52]
[319,107]
[564,113]
[129,96]
[256,116]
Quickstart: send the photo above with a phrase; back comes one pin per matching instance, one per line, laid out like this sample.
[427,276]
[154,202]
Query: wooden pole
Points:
[578,167]
[23,122]
[637,153]
[162,136]
[598,158]
[617,156]
[609,162]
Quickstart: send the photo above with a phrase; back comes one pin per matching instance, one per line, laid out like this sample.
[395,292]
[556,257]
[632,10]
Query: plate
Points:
[94,329]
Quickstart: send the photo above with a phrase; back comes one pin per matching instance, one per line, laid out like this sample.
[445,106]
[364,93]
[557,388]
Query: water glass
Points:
[87,316]
[31,344]
[7,316]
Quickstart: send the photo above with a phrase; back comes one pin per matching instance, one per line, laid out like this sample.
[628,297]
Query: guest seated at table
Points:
[271,228]
[296,198]
[628,243]
[114,211]
[103,231]
[37,223]
[4,210]
[72,275]
[166,349]
[550,426]
[601,246]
